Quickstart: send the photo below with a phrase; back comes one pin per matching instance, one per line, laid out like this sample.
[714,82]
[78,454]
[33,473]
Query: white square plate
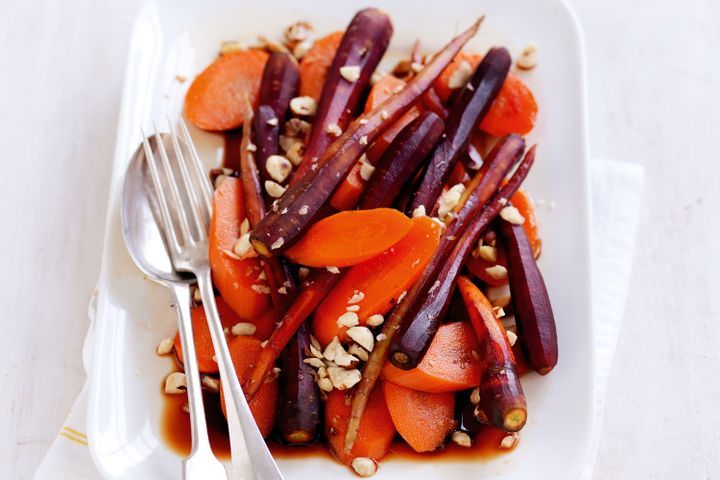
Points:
[181,37]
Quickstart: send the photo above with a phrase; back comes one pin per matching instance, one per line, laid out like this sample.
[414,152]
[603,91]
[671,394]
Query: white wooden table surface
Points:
[654,83]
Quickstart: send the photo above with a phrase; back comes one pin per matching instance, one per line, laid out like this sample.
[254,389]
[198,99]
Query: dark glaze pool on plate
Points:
[175,432]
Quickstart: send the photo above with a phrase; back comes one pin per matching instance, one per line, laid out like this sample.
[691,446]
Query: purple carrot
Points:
[401,160]
[468,109]
[530,300]
[363,45]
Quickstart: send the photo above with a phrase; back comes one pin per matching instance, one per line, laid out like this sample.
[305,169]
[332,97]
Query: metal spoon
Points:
[145,245]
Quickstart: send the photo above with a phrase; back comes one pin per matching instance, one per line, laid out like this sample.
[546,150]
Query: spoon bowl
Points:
[140,218]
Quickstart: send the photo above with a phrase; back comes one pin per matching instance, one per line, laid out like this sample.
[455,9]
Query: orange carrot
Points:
[423,419]
[442,84]
[513,111]
[315,64]
[216,98]
[448,366]
[478,266]
[384,88]
[381,280]
[265,325]
[376,426]
[523,202]
[244,352]
[201,333]
[237,280]
[349,238]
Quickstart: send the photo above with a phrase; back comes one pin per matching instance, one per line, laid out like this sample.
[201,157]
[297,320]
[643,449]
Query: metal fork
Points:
[186,217]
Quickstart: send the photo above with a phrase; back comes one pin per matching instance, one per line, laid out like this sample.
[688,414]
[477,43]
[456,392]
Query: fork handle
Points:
[245,437]
[201,464]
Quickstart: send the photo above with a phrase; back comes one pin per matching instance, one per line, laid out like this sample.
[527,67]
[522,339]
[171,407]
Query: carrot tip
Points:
[400,359]
[260,248]
[515,419]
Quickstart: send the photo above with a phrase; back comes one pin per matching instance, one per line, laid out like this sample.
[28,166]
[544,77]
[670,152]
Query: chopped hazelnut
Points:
[498,272]
[512,215]
[165,346]
[475,396]
[350,72]
[243,246]
[528,58]
[462,439]
[488,253]
[460,76]
[449,199]
[244,329]
[175,383]
[363,466]
[343,379]
[210,383]
[306,106]
[508,441]
[366,170]
[325,384]
[278,167]
[334,130]
[357,296]
[314,362]
[348,319]
[275,190]
[358,351]
[363,336]
[375,320]
[261,289]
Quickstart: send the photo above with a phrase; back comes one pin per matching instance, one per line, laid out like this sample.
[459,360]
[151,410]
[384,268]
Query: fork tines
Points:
[193,193]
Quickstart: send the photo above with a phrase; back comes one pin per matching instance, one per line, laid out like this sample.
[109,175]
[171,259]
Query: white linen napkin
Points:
[616,190]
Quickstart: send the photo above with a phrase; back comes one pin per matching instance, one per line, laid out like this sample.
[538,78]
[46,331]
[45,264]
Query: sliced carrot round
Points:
[380,280]
[201,332]
[349,238]
[423,419]
[216,99]
[449,365]
[376,431]
[513,111]
[244,352]
[315,64]
[237,280]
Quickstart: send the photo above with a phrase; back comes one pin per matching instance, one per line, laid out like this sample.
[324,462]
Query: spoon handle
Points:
[248,450]
[201,464]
